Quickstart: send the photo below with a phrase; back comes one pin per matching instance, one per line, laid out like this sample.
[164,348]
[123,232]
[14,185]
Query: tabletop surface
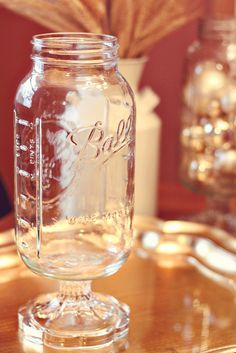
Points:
[173,309]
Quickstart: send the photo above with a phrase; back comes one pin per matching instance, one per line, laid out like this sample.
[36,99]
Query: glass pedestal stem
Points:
[75,290]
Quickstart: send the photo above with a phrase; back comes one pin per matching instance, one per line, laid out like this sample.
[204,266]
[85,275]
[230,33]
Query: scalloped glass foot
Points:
[74,319]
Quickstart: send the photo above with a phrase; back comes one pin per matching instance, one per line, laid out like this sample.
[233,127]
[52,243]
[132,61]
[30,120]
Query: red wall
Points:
[15,36]
[162,73]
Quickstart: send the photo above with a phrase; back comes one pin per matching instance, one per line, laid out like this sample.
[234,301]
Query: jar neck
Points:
[74,50]
[218,29]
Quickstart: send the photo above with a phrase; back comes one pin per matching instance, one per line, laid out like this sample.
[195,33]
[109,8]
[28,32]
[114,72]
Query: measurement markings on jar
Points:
[23,222]
[39,183]
[23,122]
[23,148]
[24,173]
[23,197]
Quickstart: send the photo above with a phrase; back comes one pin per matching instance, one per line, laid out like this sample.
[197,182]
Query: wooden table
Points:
[173,310]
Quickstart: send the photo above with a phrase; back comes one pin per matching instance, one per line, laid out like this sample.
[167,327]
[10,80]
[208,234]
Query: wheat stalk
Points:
[122,22]
[144,17]
[99,10]
[83,16]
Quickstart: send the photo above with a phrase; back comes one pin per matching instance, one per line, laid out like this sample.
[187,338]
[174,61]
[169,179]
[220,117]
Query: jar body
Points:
[208,132]
[74,133]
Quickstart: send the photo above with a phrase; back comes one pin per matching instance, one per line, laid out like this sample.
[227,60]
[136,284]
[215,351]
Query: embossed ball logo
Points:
[92,143]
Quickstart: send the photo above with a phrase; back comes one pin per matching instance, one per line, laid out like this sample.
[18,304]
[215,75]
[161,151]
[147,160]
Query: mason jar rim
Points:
[75,47]
[54,38]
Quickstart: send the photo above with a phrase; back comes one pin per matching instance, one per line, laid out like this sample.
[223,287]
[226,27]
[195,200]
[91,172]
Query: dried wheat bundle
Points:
[170,15]
[138,24]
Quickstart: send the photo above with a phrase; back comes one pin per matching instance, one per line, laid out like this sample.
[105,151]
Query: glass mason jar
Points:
[74,162]
[208,132]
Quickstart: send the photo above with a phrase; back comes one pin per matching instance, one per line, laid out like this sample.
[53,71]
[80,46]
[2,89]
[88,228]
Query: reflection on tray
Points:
[174,243]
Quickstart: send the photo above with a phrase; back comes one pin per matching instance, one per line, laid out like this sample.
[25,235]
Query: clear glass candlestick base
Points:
[74,318]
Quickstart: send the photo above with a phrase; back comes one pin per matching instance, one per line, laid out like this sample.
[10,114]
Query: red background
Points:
[163,73]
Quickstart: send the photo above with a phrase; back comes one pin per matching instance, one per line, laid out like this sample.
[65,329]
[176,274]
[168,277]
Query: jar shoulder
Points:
[55,92]
[61,80]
